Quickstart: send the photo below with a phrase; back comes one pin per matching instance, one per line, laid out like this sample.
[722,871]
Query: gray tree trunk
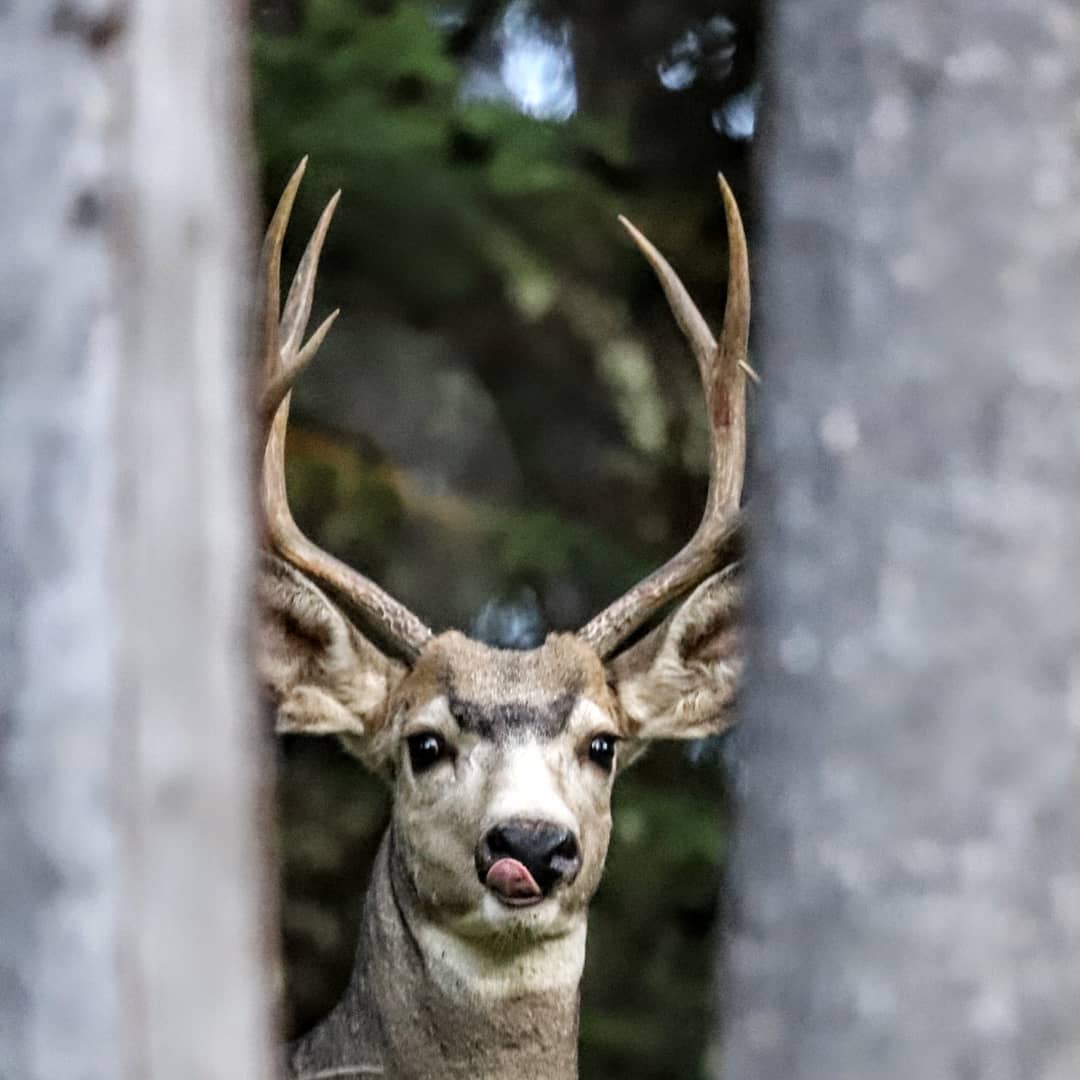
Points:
[906,892]
[133,937]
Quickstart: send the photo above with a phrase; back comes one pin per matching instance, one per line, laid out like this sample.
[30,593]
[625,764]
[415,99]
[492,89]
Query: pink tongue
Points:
[510,879]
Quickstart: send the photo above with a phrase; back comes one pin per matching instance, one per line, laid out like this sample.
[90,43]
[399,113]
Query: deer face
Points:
[502,762]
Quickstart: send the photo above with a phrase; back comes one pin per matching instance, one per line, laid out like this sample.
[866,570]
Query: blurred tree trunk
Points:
[133,938]
[906,892]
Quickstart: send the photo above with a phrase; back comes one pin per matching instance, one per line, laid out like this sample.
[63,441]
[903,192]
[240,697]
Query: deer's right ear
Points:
[325,677]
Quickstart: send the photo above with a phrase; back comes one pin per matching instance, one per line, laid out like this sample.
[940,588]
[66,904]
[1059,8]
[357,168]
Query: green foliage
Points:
[543,543]
[355,508]
[373,99]
[354,511]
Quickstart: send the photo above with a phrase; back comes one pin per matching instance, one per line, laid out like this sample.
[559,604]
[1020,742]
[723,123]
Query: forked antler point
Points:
[284,358]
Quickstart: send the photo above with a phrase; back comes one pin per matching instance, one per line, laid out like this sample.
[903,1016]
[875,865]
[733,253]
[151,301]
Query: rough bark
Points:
[132,940]
[906,893]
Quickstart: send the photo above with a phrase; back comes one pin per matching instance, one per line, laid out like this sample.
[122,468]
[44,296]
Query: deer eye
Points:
[602,751]
[426,748]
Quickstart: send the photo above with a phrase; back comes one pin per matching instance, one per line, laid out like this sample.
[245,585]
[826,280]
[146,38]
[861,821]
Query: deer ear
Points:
[679,681]
[325,677]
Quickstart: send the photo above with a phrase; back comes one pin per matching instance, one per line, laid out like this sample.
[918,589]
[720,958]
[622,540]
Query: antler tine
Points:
[723,370]
[270,271]
[298,305]
[283,361]
[282,381]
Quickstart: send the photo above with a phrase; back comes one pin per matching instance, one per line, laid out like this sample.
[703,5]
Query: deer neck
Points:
[424,1004]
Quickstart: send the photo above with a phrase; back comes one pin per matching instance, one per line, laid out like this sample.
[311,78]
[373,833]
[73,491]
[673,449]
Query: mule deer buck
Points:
[501,762]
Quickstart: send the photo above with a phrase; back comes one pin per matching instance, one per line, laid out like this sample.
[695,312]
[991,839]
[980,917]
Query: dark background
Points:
[504,427]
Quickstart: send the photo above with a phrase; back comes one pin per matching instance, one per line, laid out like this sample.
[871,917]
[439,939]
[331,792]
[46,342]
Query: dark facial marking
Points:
[512,720]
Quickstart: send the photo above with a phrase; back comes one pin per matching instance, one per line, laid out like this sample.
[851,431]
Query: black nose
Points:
[548,852]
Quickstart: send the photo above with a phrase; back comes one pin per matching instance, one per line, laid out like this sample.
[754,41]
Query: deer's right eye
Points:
[426,748]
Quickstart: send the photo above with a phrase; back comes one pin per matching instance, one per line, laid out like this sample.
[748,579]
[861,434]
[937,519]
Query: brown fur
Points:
[396,1017]
[680,681]
[450,982]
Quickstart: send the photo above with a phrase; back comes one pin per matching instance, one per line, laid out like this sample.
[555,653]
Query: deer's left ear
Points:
[679,681]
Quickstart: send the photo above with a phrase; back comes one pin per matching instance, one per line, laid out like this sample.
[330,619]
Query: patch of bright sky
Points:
[535,70]
[737,117]
[707,49]
[708,52]
[678,68]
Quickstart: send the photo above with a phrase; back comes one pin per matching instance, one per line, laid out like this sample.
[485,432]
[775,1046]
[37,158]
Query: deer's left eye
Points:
[602,751]
[426,748]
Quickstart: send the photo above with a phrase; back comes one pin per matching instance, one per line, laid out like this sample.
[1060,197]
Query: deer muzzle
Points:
[521,862]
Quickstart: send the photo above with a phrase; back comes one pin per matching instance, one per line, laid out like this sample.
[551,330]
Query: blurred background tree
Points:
[504,427]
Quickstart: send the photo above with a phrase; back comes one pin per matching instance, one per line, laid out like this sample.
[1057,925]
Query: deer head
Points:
[502,762]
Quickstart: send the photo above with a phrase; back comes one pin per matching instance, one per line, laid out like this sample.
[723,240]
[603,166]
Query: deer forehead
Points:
[504,694]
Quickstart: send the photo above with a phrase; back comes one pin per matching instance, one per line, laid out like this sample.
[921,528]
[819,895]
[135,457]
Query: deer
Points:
[501,762]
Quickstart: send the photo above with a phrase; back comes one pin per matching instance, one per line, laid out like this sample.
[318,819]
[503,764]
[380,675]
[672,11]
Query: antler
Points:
[723,368]
[283,359]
